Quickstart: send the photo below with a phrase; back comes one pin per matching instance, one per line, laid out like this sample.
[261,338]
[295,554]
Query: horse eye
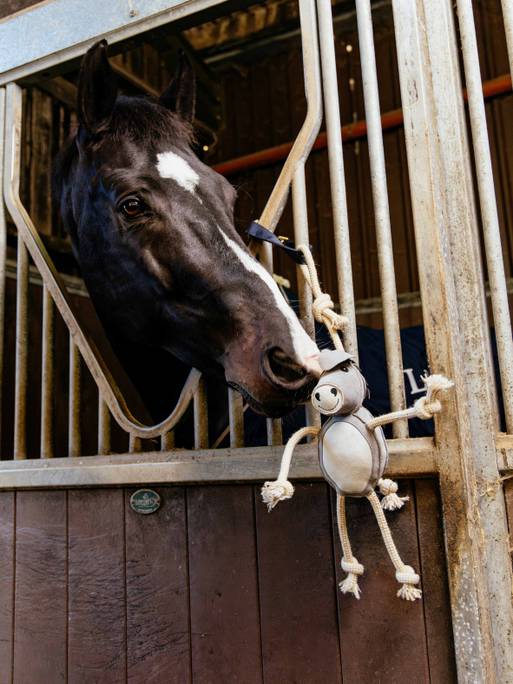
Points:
[333,391]
[131,207]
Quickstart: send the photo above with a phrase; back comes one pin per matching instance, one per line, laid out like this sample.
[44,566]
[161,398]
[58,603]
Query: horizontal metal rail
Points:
[408,458]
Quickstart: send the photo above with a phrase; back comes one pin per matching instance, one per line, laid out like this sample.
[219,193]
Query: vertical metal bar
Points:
[306,136]
[382,215]
[167,441]
[103,427]
[485,184]
[200,416]
[47,384]
[236,416]
[274,428]
[74,435]
[3,248]
[134,444]
[20,382]
[337,177]
[301,236]
[507,14]
[457,338]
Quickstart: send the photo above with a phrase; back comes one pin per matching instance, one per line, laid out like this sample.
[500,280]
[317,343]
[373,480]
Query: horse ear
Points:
[97,89]
[180,95]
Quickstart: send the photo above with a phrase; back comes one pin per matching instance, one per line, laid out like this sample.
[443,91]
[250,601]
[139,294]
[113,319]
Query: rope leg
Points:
[404,574]
[349,563]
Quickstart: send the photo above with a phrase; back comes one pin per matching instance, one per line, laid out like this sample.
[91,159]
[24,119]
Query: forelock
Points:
[141,119]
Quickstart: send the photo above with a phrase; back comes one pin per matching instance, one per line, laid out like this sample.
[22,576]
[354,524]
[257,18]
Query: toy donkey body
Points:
[353,455]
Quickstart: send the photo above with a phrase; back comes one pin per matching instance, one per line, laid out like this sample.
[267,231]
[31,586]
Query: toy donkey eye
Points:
[333,391]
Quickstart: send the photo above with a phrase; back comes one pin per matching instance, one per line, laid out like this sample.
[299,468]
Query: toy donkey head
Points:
[341,389]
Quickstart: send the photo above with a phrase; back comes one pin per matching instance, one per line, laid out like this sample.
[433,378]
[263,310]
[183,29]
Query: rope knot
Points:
[322,308]
[426,409]
[409,578]
[276,491]
[352,566]
[350,584]
[391,501]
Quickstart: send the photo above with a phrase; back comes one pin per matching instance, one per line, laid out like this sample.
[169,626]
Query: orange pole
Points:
[353,131]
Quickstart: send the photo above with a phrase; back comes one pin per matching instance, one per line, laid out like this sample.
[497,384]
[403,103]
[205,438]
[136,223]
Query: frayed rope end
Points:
[409,578]
[409,593]
[276,491]
[350,584]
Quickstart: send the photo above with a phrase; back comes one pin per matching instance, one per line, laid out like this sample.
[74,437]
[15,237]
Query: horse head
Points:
[153,231]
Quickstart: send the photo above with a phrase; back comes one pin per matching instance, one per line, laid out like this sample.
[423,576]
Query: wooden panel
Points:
[158,640]
[225,629]
[6,584]
[297,589]
[97,617]
[437,606]
[41,583]
[382,637]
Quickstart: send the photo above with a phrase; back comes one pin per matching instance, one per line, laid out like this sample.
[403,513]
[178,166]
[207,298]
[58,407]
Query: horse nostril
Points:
[283,370]
[317,396]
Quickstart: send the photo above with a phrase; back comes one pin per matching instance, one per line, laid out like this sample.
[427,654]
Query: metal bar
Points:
[301,237]
[487,200]
[236,418]
[3,252]
[457,338]
[167,441]
[337,176]
[71,26]
[408,458]
[381,215]
[103,427]
[357,130]
[200,416]
[507,15]
[134,444]
[20,382]
[306,136]
[47,384]
[74,432]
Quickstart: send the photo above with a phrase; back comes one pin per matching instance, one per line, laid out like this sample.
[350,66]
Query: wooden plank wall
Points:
[212,588]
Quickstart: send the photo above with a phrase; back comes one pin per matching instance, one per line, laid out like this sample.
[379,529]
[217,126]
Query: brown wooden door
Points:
[211,588]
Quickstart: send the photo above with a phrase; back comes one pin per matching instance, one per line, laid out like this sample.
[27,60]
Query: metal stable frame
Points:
[468,454]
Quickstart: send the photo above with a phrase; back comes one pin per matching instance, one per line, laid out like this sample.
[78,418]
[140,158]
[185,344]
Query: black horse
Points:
[152,229]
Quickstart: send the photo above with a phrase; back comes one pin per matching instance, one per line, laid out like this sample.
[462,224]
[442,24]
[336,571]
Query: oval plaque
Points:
[145,501]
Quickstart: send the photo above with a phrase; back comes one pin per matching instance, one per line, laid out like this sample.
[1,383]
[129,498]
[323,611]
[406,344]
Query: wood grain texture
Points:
[225,625]
[437,606]
[40,588]
[158,639]
[297,589]
[97,616]
[382,637]
[7,517]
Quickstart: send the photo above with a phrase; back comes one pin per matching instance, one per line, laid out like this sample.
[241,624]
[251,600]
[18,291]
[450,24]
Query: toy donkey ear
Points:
[329,358]
[97,89]
[180,95]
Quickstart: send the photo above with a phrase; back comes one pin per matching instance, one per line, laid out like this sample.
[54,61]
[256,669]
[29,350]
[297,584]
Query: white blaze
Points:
[305,348]
[171,165]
